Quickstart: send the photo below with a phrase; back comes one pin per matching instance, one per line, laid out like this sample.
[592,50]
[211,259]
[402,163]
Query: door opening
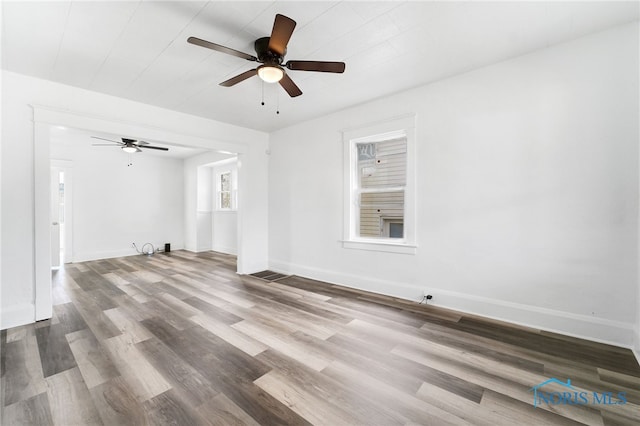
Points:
[57,204]
[60,213]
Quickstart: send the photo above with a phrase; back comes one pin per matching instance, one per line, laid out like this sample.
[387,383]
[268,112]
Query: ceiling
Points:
[138,49]
[84,140]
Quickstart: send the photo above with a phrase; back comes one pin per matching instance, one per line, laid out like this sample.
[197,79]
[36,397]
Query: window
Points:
[379,187]
[226,191]
[224,195]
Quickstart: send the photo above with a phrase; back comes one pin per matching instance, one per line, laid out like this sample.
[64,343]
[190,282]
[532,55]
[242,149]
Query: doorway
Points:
[252,219]
[61,212]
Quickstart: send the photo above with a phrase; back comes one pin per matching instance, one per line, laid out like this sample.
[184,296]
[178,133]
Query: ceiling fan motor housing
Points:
[270,53]
[265,55]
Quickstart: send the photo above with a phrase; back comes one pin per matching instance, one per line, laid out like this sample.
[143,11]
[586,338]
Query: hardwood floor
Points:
[182,339]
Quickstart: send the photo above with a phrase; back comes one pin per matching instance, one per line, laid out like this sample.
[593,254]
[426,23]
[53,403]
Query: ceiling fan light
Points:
[129,149]
[270,74]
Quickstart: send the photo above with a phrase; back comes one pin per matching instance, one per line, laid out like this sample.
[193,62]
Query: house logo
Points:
[568,395]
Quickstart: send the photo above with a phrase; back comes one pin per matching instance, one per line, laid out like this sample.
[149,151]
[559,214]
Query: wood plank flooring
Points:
[181,339]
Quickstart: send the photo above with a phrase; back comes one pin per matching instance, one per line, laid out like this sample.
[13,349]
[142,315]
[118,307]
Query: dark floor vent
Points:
[268,275]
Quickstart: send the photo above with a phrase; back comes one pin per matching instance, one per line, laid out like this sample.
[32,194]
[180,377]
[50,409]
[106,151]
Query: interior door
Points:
[55,217]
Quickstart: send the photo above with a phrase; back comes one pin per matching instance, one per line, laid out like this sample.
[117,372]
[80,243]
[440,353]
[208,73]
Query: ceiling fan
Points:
[270,53]
[129,145]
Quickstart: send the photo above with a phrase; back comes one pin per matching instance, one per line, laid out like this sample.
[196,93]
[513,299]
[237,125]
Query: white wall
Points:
[225,235]
[115,204]
[527,177]
[637,330]
[198,200]
[205,198]
[224,222]
[94,111]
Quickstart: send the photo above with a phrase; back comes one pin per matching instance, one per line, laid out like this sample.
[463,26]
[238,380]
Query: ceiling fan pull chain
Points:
[262,93]
[277,101]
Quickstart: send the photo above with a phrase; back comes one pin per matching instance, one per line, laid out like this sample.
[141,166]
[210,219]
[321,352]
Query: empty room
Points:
[320,212]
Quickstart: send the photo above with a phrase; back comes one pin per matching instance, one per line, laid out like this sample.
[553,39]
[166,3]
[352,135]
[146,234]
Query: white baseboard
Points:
[582,326]
[194,250]
[225,249]
[246,268]
[18,315]
[110,254]
[98,255]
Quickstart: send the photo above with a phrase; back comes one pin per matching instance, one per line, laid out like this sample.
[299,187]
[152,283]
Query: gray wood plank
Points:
[181,338]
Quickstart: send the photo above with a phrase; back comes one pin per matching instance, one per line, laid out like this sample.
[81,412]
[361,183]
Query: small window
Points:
[225,186]
[379,188]
[382,175]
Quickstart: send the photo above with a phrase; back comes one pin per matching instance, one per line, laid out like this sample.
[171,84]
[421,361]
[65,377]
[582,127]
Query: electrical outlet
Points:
[426,297]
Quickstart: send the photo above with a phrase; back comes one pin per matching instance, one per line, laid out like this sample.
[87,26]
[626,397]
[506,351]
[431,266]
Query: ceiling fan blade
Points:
[219,48]
[139,143]
[291,88]
[281,33]
[159,148]
[240,77]
[103,139]
[320,66]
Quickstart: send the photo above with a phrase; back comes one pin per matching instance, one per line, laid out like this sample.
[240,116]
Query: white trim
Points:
[232,170]
[42,291]
[384,246]
[252,267]
[192,250]
[232,160]
[110,254]
[18,315]
[380,126]
[43,119]
[403,126]
[636,346]
[225,250]
[99,255]
[55,116]
[570,324]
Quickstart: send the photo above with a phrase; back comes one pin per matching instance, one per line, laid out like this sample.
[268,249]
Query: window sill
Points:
[384,246]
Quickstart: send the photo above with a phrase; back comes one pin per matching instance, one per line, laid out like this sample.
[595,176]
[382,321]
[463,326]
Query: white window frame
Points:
[391,129]
[233,191]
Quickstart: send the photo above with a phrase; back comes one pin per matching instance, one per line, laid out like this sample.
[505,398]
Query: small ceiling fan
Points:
[129,145]
[270,53]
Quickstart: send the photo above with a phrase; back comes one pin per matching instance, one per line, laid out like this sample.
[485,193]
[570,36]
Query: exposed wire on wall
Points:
[147,252]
